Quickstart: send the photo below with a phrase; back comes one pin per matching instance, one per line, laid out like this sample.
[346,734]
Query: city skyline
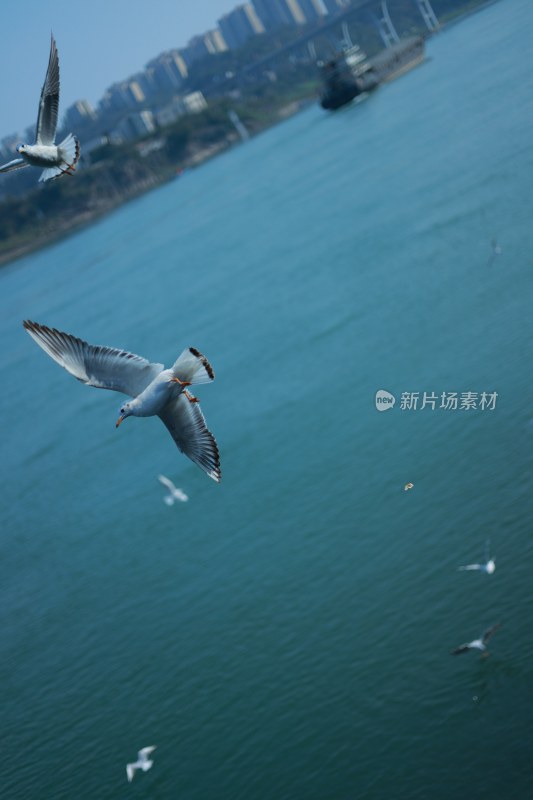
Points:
[165,70]
[92,52]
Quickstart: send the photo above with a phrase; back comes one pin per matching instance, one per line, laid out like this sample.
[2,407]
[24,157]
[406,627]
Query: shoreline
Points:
[88,216]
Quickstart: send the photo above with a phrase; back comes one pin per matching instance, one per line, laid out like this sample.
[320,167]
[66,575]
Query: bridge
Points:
[330,27]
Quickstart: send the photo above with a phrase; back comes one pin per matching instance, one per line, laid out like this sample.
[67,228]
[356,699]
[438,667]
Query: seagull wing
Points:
[463,648]
[145,752]
[17,163]
[488,633]
[49,102]
[166,482]
[471,566]
[130,771]
[187,427]
[102,367]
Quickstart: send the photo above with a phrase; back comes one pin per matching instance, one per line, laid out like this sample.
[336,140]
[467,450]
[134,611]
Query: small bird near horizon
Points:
[143,762]
[488,567]
[477,644]
[173,492]
[55,160]
[156,391]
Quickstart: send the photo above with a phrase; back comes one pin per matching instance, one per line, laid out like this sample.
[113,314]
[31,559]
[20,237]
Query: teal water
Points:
[286,634]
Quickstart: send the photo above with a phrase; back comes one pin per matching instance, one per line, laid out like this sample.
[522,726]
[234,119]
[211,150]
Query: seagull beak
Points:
[119,420]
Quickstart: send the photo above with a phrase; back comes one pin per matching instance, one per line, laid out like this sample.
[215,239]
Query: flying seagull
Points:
[490,563]
[156,390]
[143,762]
[55,159]
[173,493]
[477,644]
[496,251]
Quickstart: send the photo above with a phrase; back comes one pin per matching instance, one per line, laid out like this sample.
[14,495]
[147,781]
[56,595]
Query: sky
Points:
[99,42]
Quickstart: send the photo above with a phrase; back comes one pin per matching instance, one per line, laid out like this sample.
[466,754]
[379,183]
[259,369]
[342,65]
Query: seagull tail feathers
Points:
[49,173]
[69,151]
[193,367]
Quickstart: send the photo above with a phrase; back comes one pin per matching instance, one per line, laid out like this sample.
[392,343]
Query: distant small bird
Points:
[490,563]
[174,493]
[142,762]
[496,251]
[408,486]
[477,644]
[55,159]
[156,391]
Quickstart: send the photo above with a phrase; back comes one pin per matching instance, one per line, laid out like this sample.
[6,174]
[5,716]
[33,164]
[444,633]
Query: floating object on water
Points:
[55,160]
[408,486]
[173,492]
[477,644]
[156,391]
[143,762]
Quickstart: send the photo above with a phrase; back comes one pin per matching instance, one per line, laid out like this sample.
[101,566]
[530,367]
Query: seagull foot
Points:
[70,170]
[181,383]
[190,397]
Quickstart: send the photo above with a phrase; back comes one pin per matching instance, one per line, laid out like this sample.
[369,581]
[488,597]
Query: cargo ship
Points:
[351,72]
[346,76]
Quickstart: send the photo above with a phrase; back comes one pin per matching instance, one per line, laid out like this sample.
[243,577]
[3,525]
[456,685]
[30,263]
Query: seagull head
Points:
[125,411]
[21,148]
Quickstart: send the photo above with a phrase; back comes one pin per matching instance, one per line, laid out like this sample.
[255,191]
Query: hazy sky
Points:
[99,42]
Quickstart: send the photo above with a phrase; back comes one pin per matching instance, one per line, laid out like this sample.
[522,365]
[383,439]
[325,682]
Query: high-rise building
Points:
[271,13]
[207,44]
[216,41]
[168,70]
[274,13]
[313,9]
[79,113]
[121,96]
[239,25]
[296,14]
[134,126]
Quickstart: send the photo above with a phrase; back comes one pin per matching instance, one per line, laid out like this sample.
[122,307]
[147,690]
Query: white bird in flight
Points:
[55,160]
[173,492]
[490,563]
[143,762]
[156,390]
[477,644]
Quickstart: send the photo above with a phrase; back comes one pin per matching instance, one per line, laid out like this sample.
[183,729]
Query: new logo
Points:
[384,400]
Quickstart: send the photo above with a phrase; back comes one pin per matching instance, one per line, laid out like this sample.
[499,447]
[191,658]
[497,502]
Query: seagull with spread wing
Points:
[143,762]
[173,492]
[477,644]
[55,160]
[488,567]
[156,391]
